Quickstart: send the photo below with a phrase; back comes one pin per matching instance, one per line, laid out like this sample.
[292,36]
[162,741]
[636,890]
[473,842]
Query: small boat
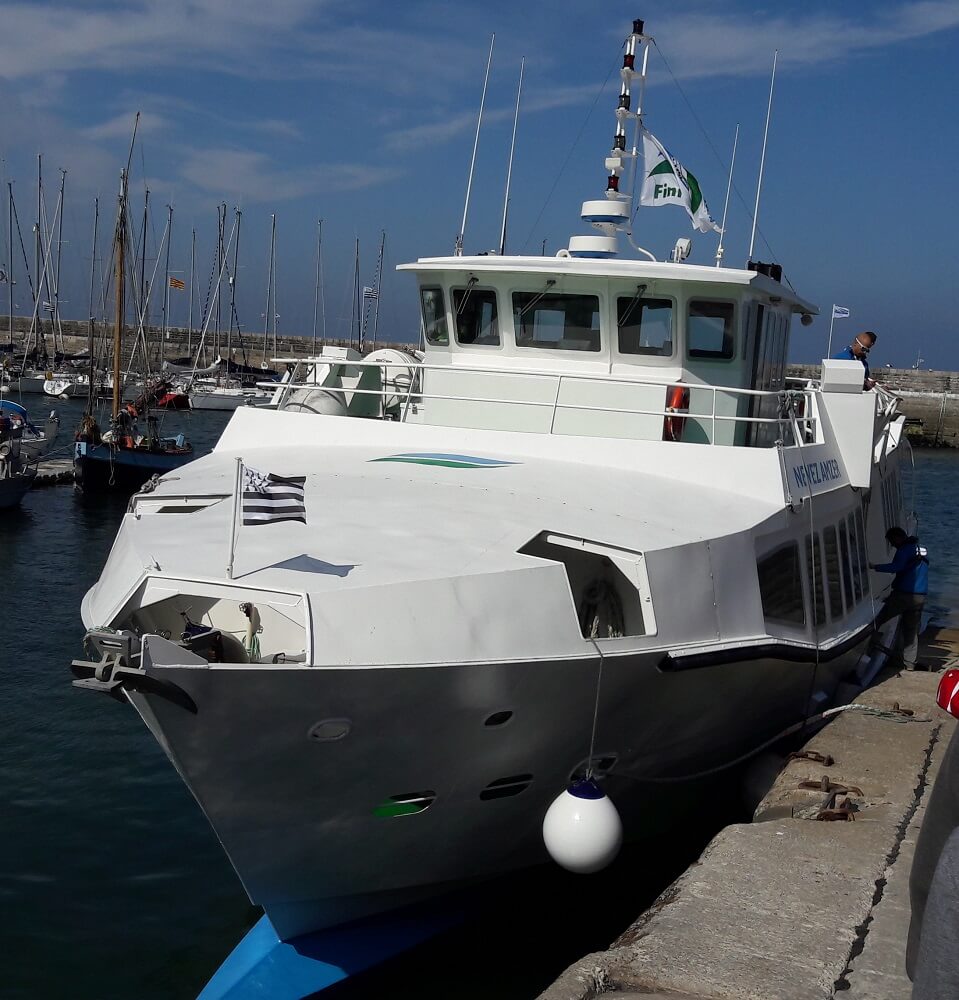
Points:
[34,443]
[16,476]
[64,386]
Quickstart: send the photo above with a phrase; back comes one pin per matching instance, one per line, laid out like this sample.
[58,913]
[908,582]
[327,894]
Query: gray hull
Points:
[298,817]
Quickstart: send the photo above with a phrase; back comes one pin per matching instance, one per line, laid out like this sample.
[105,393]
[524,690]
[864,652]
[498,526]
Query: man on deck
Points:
[859,350]
[909,588]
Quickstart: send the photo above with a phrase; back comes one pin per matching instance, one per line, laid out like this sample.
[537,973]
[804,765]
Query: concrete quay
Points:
[53,472]
[788,908]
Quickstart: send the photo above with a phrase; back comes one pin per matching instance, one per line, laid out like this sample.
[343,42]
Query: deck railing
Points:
[401,392]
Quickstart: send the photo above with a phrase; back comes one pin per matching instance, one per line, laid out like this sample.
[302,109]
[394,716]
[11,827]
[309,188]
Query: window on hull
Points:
[780,586]
[556,322]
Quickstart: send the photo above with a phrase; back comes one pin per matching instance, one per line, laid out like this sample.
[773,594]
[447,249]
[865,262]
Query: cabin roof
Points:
[615,268]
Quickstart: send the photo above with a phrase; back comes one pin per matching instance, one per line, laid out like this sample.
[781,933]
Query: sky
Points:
[363,115]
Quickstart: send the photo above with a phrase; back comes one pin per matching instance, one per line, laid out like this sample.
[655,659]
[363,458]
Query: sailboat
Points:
[122,456]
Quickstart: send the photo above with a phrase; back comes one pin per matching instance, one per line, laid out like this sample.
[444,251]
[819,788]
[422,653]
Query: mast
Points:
[729,184]
[91,372]
[379,285]
[166,280]
[41,338]
[220,221]
[144,303]
[236,257]
[269,291]
[10,265]
[274,317]
[354,303]
[316,287]
[762,159]
[119,245]
[509,168]
[458,249]
[58,327]
[189,332]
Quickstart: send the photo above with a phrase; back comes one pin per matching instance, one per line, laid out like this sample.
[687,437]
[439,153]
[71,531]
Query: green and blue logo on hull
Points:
[448,461]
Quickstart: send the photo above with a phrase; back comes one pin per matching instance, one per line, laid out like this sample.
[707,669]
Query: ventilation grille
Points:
[504,787]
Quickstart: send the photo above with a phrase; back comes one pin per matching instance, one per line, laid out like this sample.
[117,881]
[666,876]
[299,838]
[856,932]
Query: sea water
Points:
[112,885]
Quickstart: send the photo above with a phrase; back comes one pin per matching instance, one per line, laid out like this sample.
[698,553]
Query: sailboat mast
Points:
[166,278]
[316,287]
[236,257]
[189,331]
[269,291]
[379,287]
[144,307]
[273,315]
[91,371]
[355,305]
[56,274]
[10,265]
[119,242]
[220,221]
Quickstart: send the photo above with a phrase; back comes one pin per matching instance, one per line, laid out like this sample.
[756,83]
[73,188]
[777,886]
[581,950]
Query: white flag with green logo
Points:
[668,182]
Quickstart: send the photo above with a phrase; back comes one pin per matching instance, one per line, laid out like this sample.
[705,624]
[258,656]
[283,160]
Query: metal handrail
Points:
[407,393]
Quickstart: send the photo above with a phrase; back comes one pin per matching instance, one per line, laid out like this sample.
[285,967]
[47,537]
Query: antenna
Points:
[458,251]
[762,161]
[509,169]
[729,184]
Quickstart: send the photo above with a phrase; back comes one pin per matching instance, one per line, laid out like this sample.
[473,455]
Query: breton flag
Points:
[268,498]
[840,312]
[369,293]
[668,182]
[177,283]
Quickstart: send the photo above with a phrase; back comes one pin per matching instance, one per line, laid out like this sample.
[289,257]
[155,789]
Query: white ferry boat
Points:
[595,492]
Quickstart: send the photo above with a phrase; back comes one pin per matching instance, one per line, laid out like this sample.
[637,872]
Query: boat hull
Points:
[302,818]
[13,488]
[100,467]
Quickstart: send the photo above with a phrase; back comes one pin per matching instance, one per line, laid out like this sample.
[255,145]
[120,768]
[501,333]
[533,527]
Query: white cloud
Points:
[248,176]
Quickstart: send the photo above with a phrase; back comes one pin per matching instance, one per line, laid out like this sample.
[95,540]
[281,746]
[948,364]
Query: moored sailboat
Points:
[122,457]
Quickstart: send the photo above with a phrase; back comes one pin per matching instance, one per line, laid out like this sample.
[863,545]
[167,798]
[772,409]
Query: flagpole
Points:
[236,507]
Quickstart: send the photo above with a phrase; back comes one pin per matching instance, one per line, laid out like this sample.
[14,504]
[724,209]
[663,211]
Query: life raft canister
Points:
[677,401]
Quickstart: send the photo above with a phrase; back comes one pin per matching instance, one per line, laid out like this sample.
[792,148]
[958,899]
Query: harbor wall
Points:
[929,400]
[177,342]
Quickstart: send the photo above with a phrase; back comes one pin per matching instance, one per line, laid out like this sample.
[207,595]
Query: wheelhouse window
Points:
[474,310]
[780,586]
[556,322]
[645,326]
[709,329]
[434,316]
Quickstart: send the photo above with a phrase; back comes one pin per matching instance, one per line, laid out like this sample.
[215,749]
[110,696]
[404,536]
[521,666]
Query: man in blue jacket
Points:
[909,588]
[859,350]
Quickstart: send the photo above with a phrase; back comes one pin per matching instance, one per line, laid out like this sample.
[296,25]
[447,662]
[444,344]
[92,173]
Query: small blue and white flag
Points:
[268,498]
[840,312]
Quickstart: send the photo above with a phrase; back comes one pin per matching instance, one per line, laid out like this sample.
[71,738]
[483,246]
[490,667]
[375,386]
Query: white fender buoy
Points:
[582,829]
